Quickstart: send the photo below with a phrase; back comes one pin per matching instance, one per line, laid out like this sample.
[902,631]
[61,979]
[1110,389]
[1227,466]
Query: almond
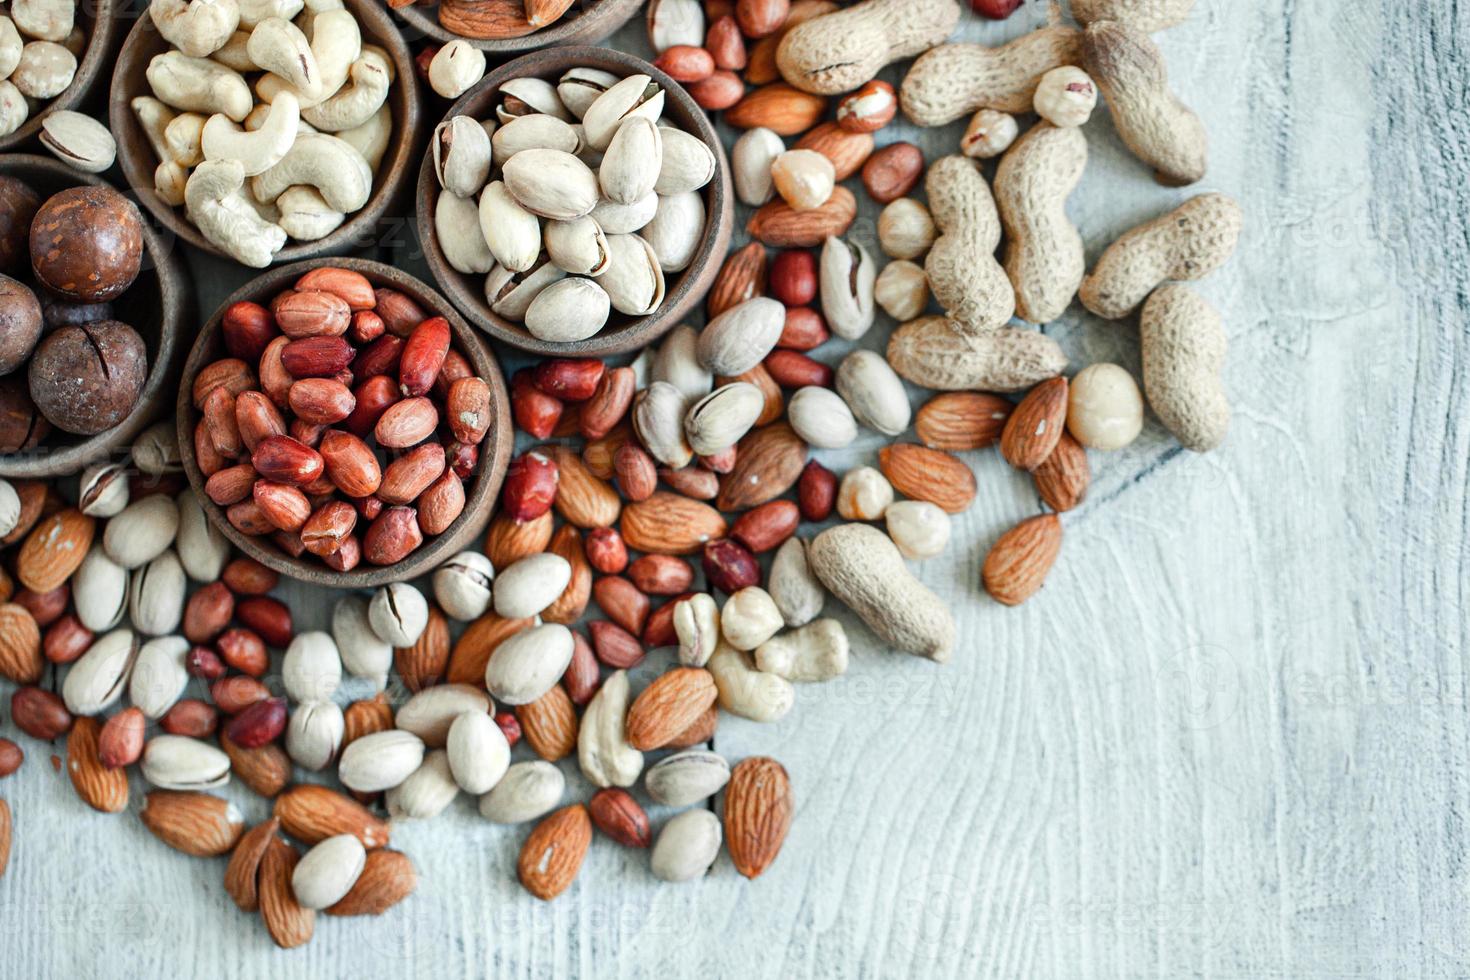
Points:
[20,645]
[549,724]
[569,606]
[742,277]
[388,877]
[265,770]
[698,733]
[668,706]
[960,421]
[920,473]
[768,464]
[54,549]
[778,107]
[582,497]
[312,813]
[473,649]
[1035,426]
[194,823]
[101,788]
[847,151]
[778,224]
[508,541]
[5,834]
[422,664]
[1018,563]
[288,923]
[243,872]
[1063,479]
[758,808]
[598,454]
[367,717]
[552,855]
[669,524]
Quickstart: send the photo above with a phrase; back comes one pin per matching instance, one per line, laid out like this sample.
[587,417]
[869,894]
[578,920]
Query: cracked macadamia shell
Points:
[86,379]
[20,323]
[87,244]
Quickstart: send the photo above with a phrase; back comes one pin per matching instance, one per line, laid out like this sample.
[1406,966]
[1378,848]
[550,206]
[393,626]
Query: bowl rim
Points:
[483,493]
[587,28]
[390,179]
[467,292]
[174,302]
[106,14]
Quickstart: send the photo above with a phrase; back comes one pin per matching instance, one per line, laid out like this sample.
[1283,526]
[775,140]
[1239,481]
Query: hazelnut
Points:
[20,323]
[18,207]
[87,244]
[87,379]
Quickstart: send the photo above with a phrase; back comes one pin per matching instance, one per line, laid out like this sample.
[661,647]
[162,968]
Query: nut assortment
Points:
[575,202]
[41,42]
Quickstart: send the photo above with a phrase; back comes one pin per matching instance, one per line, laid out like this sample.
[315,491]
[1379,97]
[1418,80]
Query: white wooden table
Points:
[1228,739]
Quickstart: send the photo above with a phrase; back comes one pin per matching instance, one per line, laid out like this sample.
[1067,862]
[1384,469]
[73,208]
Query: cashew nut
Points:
[371,138]
[49,20]
[279,46]
[252,12]
[306,215]
[1183,350]
[324,162]
[746,691]
[603,751]
[335,42]
[154,117]
[199,85]
[196,27]
[10,46]
[356,103]
[183,135]
[170,180]
[817,652]
[259,150]
[697,624]
[262,112]
[45,69]
[234,54]
[13,108]
[218,207]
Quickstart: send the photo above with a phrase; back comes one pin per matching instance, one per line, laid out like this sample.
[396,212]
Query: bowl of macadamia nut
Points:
[91,299]
[51,53]
[266,132]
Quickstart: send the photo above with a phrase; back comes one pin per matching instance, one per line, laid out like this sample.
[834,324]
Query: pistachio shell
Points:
[688,163]
[633,279]
[636,95]
[625,219]
[510,293]
[537,131]
[512,233]
[569,310]
[676,230]
[551,183]
[632,162]
[462,155]
[577,246]
[720,419]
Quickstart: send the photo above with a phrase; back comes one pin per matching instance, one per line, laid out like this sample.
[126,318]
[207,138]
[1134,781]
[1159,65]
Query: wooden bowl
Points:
[155,305]
[599,19]
[99,18]
[360,230]
[494,456]
[684,289]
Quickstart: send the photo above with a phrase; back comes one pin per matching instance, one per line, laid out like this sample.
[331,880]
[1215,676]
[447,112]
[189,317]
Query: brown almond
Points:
[758,809]
[608,404]
[549,724]
[552,855]
[778,107]
[101,788]
[194,823]
[698,733]
[598,454]
[367,717]
[1018,564]
[422,664]
[388,877]
[1036,425]
[475,645]
[920,473]
[669,524]
[265,770]
[668,706]
[569,606]
[623,602]
[6,831]
[1063,479]
[769,463]
[54,549]
[313,813]
[847,151]
[582,498]
[960,421]
[742,277]
[20,645]
[508,541]
[243,871]
[289,924]
[779,225]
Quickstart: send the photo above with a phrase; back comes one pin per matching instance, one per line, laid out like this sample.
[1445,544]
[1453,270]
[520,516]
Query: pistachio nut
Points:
[398,613]
[821,418]
[479,755]
[462,155]
[846,281]
[633,280]
[677,362]
[314,734]
[327,872]
[603,751]
[686,846]
[632,161]
[688,162]
[686,777]
[179,763]
[527,791]
[585,153]
[104,490]
[156,450]
[528,96]
[99,590]
[78,140]
[719,420]
[364,653]
[816,652]
[527,665]
[156,595]
[551,183]
[625,219]
[577,246]
[9,509]
[658,421]
[511,293]
[203,548]
[578,88]
[751,159]
[143,531]
[568,310]
[746,691]
[98,677]
[311,669]
[874,392]
[636,95]
[672,22]
[380,761]
[512,233]
[531,584]
[740,338]
[427,792]
[793,585]
[158,677]
[461,239]
[430,713]
[462,585]
[536,131]
[697,625]
[676,230]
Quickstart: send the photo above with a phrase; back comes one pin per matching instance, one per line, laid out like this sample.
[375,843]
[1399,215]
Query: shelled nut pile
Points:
[40,43]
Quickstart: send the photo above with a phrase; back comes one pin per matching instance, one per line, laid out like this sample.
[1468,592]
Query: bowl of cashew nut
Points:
[266,131]
[51,52]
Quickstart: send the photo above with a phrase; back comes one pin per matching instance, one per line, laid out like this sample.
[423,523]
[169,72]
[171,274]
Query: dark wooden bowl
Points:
[156,306]
[587,22]
[99,18]
[494,455]
[360,230]
[684,289]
